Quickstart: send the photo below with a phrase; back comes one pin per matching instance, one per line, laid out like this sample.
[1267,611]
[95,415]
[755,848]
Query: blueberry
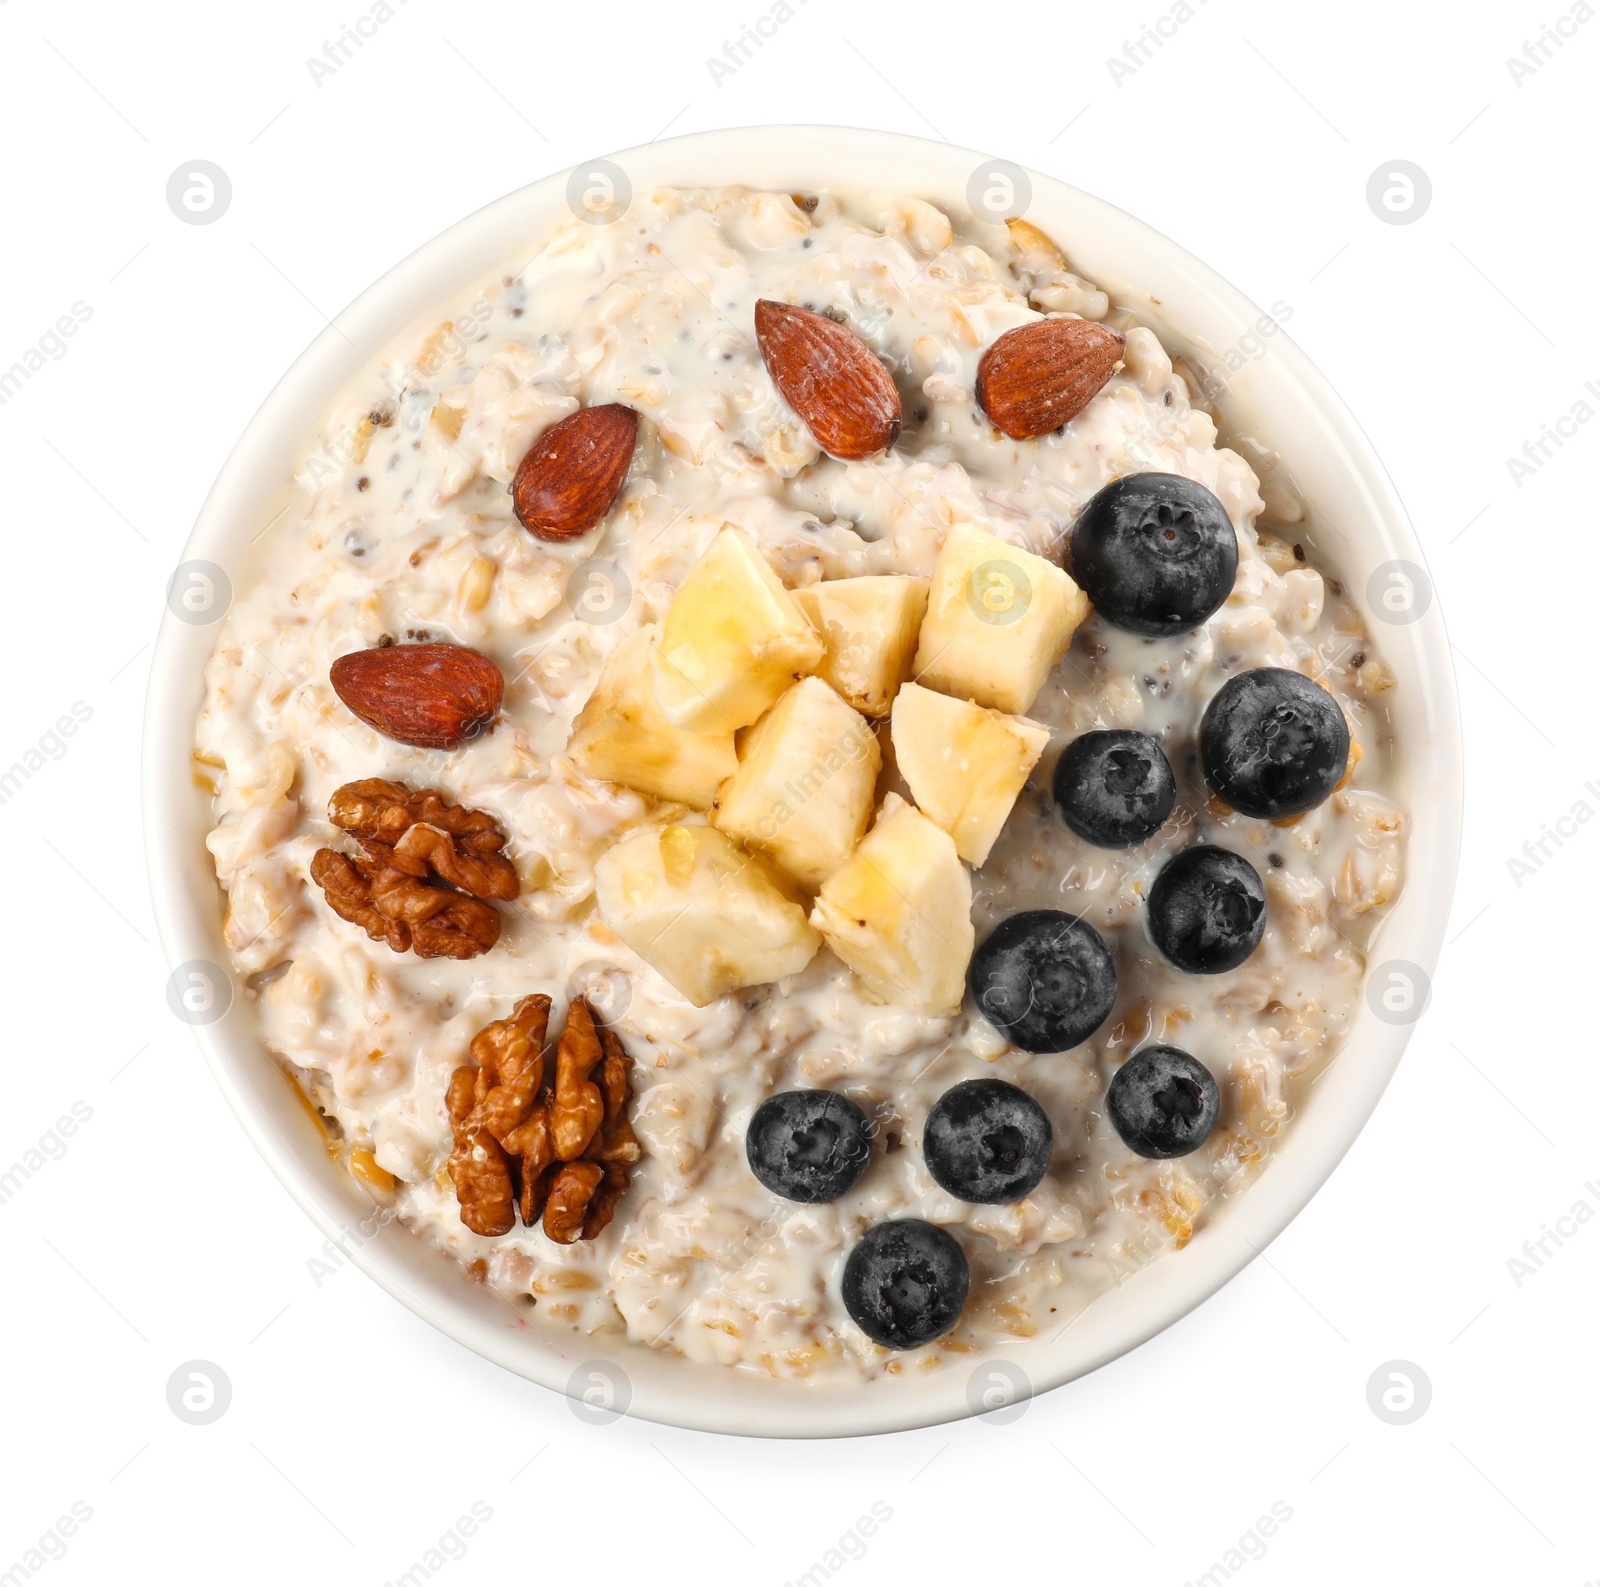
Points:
[1207,910]
[1044,979]
[905,1283]
[1163,1103]
[1273,743]
[808,1146]
[987,1141]
[1155,553]
[1114,789]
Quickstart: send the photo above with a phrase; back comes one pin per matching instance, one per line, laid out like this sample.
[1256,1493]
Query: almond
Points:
[1035,378]
[571,478]
[831,378]
[429,696]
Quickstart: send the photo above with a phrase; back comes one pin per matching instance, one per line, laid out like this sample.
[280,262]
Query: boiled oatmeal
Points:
[782,795]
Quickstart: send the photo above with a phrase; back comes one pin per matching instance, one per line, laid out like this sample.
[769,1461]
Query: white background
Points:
[356,1436]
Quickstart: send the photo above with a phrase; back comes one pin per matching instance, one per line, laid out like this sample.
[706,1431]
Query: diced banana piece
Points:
[899,912]
[733,639]
[965,765]
[870,627]
[705,915]
[999,619]
[622,734]
[803,790]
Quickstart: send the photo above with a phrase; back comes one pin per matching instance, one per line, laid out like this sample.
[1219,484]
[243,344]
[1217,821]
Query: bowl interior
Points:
[1356,525]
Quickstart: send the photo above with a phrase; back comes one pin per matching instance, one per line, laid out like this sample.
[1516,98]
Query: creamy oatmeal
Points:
[401,526]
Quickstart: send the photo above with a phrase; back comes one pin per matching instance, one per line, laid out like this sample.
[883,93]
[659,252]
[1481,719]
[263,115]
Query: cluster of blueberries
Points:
[1157,555]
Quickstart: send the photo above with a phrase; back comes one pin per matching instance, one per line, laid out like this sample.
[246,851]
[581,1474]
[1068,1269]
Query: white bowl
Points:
[1357,524]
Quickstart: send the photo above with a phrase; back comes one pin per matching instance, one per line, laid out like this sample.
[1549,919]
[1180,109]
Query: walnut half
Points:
[428,866]
[562,1143]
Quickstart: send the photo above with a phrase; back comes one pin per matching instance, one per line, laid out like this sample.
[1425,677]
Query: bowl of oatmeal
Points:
[786,802]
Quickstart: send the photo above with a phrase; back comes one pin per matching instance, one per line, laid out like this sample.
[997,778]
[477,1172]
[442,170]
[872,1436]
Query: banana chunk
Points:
[870,627]
[705,915]
[998,620]
[622,735]
[899,912]
[965,764]
[803,790]
[733,640]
